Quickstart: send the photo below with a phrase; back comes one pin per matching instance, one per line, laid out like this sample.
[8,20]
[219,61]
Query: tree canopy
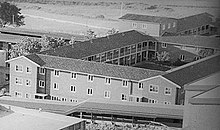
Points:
[10,15]
[34,45]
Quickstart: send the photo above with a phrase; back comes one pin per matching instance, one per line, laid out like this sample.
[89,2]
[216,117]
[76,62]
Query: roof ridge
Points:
[101,63]
[192,63]
[149,15]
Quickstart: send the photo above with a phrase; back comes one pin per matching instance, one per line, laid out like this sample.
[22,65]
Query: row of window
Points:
[19,68]
[134,25]
[168,25]
[57,98]
[19,81]
[19,95]
[155,89]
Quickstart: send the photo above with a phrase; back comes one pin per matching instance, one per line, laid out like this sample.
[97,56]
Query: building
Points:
[192,72]
[126,48]
[202,103]
[188,48]
[66,79]
[29,119]
[198,24]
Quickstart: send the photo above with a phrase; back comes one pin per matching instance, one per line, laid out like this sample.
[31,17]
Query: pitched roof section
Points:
[98,45]
[197,41]
[145,18]
[130,109]
[194,21]
[195,70]
[95,68]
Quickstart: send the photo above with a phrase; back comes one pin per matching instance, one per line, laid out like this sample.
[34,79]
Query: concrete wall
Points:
[202,117]
[24,75]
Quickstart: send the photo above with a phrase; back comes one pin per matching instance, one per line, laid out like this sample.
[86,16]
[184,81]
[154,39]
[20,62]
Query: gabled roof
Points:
[196,41]
[194,21]
[145,18]
[98,45]
[129,109]
[193,71]
[96,68]
[208,97]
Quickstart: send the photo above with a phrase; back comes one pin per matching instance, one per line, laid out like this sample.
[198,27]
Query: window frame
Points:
[27,82]
[107,81]
[40,84]
[164,45]
[153,86]
[17,68]
[73,75]
[19,94]
[90,91]
[73,88]
[134,25]
[90,78]
[126,83]
[140,85]
[182,57]
[30,69]
[57,86]
[107,94]
[57,73]
[17,79]
[169,90]
[40,71]
[125,97]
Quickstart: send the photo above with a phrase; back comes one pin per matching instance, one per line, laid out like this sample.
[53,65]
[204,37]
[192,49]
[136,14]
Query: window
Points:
[73,100]
[164,26]
[56,72]
[28,82]
[123,97]
[90,78]
[152,101]
[134,25]
[124,83]
[63,99]
[18,68]
[41,83]
[174,24]
[182,47]
[153,88]
[167,91]
[108,80]
[90,91]
[28,69]
[55,86]
[169,25]
[140,85]
[138,99]
[107,94]
[182,57]
[144,26]
[27,95]
[167,103]
[73,88]
[73,75]
[164,45]
[18,81]
[42,71]
[18,94]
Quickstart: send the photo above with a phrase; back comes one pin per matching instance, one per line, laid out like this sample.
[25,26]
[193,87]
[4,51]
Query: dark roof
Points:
[98,45]
[89,67]
[152,66]
[194,21]
[197,41]
[129,109]
[146,18]
[195,70]
[36,59]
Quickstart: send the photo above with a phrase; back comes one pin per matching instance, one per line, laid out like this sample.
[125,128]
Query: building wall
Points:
[160,96]
[23,89]
[169,25]
[210,80]
[175,51]
[152,29]
[202,117]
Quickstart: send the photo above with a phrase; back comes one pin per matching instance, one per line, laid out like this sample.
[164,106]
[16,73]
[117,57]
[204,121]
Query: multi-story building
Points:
[188,48]
[198,24]
[150,25]
[126,48]
[66,79]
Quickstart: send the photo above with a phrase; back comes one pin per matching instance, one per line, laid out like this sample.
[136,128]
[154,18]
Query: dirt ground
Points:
[77,16]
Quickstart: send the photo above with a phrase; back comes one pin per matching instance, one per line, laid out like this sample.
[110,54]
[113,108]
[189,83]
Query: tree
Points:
[205,52]
[10,15]
[163,56]
[112,31]
[91,34]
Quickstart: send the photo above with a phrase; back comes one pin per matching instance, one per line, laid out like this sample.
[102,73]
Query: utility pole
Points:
[121,8]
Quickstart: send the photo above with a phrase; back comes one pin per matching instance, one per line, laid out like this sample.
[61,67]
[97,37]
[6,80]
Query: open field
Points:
[77,16]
